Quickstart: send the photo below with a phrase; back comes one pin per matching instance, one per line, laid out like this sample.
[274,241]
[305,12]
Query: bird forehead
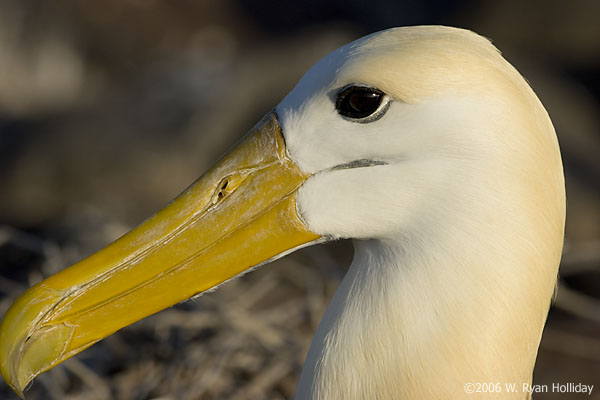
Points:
[407,63]
[411,63]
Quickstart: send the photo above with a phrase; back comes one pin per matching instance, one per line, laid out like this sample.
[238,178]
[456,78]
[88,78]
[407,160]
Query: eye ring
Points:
[361,103]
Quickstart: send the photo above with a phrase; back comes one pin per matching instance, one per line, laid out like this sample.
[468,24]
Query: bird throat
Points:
[421,328]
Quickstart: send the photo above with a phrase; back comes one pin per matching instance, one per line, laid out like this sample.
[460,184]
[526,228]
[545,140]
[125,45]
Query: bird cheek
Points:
[330,204]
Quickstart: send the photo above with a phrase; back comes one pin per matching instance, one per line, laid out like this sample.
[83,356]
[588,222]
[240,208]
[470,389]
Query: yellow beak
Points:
[241,213]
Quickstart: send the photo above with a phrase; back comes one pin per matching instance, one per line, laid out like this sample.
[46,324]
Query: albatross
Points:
[424,146]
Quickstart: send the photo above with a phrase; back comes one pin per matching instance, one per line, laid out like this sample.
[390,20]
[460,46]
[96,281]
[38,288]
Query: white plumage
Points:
[459,233]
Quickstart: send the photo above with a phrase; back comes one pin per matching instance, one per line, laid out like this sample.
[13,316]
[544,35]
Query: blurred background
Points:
[109,109]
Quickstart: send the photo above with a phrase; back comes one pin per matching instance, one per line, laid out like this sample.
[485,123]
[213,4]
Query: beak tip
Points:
[11,368]
[24,360]
[20,387]
[12,376]
[24,348]
[19,369]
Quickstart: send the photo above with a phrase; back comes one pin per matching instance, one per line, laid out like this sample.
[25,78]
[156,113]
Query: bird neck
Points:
[422,321]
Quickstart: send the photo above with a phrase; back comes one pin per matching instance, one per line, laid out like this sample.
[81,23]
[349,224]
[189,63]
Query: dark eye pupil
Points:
[364,101]
[358,101]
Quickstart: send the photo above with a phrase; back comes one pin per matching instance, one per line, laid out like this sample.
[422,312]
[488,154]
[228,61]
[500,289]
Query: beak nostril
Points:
[223,186]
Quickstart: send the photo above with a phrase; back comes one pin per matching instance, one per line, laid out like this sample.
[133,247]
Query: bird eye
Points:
[361,103]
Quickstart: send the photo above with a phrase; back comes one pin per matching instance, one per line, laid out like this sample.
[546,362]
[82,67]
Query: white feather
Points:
[459,234]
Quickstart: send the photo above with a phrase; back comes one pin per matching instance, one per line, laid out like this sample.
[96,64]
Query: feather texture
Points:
[458,227]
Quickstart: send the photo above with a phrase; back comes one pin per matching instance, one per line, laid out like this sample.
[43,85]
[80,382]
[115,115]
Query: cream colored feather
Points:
[458,234]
